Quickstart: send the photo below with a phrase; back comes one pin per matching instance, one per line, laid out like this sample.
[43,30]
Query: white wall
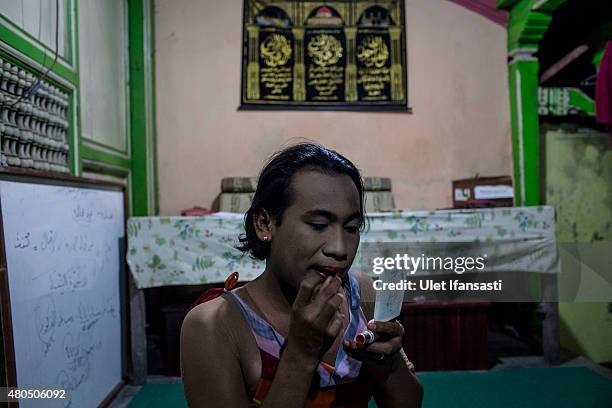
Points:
[457,88]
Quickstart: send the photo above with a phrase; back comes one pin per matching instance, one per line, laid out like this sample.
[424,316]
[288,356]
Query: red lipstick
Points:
[330,270]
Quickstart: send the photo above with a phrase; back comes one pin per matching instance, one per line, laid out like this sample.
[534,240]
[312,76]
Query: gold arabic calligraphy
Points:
[325,49]
[373,52]
[276,50]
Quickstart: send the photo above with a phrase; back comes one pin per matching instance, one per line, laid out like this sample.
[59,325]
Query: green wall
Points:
[578,173]
[136,170]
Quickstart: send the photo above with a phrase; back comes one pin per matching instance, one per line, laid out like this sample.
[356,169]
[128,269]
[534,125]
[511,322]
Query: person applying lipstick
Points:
[286,339]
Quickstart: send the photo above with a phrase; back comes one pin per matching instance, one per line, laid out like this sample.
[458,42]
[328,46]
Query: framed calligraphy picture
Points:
[339,54]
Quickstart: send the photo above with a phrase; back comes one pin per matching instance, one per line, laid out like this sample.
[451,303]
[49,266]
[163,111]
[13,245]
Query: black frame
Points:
[261,105]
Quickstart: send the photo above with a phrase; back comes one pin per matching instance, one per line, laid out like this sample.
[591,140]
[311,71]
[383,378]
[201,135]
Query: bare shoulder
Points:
[213,309]
[211,321]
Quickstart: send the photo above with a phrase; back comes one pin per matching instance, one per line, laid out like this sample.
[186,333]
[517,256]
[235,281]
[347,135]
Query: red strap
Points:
[231,281]
[210,294]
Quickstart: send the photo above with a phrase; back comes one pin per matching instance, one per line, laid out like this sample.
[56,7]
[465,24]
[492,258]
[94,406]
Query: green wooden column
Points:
[523,73]
[144,162]
[142,107]
[529,20]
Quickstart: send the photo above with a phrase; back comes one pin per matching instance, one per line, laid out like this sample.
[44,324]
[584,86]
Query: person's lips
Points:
[330,270]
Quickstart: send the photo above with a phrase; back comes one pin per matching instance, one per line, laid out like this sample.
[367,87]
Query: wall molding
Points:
[487,9]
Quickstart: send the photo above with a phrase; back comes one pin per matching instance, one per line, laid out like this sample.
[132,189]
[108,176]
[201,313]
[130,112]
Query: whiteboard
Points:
[63,261]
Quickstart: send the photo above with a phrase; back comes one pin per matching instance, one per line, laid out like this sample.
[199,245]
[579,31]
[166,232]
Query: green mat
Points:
[559,387]
[159,396]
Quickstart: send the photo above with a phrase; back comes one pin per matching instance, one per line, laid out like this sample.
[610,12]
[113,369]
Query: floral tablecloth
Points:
[166,251]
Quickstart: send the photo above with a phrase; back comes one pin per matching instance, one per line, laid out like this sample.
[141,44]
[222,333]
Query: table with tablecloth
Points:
[164,251]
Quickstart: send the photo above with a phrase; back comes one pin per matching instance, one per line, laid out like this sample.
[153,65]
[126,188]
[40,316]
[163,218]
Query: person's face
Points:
[319,231]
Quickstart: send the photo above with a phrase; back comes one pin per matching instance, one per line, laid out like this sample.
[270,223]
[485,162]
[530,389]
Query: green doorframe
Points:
[143,161]
[142,107]
[529,20]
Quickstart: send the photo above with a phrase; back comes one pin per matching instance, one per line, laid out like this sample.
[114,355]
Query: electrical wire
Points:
[34,88]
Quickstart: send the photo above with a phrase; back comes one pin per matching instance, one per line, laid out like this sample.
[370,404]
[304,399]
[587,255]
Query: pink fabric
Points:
[603,88]
[486,8]
[196,212]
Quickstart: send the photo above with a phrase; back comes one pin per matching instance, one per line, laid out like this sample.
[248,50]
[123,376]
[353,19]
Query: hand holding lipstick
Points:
[380,342]
[317,315]
[368,337]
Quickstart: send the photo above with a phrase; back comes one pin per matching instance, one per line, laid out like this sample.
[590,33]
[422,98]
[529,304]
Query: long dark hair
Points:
[274,192]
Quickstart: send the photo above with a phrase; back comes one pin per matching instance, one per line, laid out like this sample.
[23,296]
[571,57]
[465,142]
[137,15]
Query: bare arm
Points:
[210,367]
[315,321]
[401,388]
[291,381]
